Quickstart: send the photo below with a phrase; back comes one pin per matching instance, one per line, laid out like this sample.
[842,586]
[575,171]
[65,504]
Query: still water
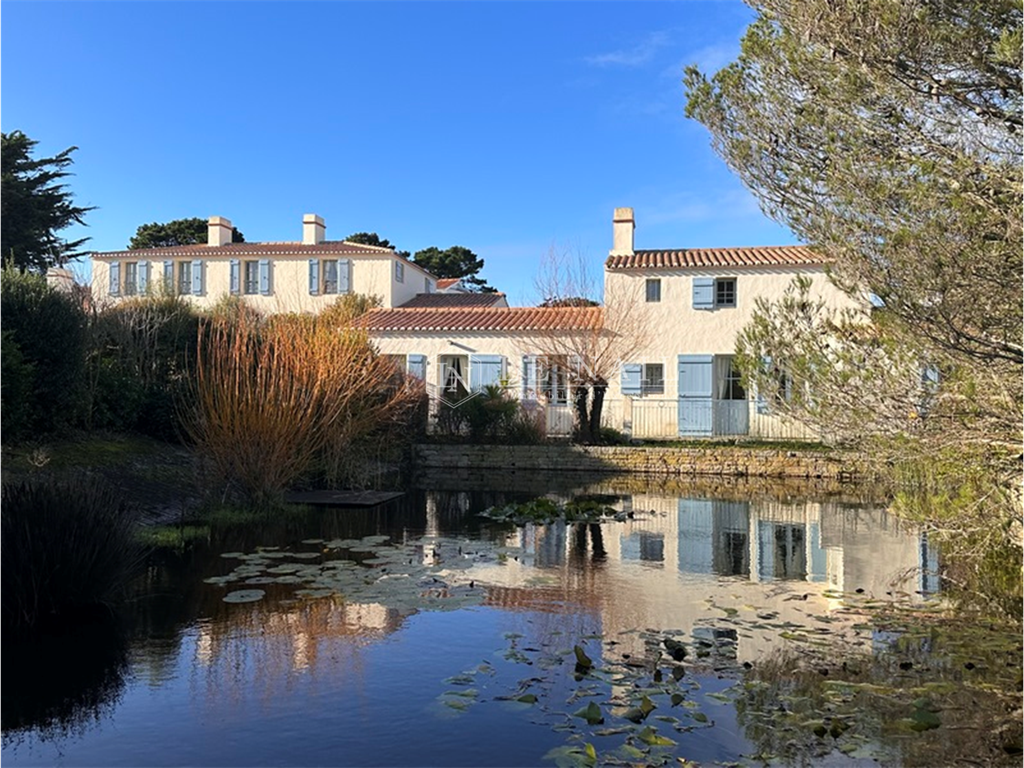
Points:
[422,634]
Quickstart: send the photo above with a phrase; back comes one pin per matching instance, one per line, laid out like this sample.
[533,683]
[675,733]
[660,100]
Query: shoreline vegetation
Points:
[190,419]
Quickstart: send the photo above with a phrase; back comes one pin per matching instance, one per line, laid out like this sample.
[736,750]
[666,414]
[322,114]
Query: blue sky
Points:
[509,128]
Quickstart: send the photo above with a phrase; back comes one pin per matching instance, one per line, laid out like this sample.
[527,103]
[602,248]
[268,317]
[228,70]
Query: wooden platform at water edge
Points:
[342,498]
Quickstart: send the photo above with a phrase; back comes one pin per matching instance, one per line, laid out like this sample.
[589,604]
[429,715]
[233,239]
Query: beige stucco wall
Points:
[675,327]
[371,276]
[512,346]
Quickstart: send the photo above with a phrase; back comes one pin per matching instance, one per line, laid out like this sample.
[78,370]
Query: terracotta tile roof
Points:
[446,282]
[760,256]
[202,250]
[425,300]
[482,319]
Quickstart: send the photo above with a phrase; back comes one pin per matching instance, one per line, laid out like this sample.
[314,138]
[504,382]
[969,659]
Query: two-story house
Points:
[300,276]
[676,377]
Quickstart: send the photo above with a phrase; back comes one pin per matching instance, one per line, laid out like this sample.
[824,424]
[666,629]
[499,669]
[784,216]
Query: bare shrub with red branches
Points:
[273,399]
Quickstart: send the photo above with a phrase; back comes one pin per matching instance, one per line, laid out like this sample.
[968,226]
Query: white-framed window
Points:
[185,278]
[131,278]
[653,381]
[330,268]
[729,380]
[251,277]
[553,380]
[653,290]
[725,292]
[399,272]
[710,293]
[168,285]
[428,287]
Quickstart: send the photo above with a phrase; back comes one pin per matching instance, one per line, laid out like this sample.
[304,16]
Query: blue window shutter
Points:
[314,277]
[418,366]
[143,276]
[236,277]
[169,277]
[762,402]
[115,278]
[485,370]
[529,377]
[344,275]
[703,293]
[265,284]
[197,278]
[632,375]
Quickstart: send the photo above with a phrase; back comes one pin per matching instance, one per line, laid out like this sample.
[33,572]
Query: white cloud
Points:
[689,207]
[708,59]
[636,56]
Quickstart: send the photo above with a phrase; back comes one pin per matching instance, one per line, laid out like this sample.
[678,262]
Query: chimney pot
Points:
[218,231]
[313,229]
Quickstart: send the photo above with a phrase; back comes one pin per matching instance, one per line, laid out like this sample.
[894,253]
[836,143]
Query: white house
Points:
[675,379]
[296,276]
[673,374]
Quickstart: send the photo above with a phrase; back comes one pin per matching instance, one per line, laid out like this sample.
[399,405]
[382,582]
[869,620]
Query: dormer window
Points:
[399,272]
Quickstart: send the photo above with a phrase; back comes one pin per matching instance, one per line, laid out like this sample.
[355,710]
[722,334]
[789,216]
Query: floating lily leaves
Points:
[416,575]
[244,596]
[573,757]
[591,713]
[583,662]
[544,511]
[650,737]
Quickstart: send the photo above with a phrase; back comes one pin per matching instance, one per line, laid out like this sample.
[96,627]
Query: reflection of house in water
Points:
[678,562]
[278,642]
[769,540]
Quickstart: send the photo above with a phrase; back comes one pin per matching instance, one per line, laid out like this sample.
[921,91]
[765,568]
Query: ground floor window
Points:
[252,277]
[653,382]
[553,380]
[729,380]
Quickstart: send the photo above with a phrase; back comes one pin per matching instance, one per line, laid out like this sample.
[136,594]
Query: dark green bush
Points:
[141,352]
[16,379]
[67,548]
[49,329]
[492,416]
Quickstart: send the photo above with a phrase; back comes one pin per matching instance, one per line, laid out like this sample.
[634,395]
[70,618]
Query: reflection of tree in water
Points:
[59,684]
[927,696]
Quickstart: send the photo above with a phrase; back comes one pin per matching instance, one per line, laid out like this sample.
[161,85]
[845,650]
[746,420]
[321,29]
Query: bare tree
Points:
[591,341]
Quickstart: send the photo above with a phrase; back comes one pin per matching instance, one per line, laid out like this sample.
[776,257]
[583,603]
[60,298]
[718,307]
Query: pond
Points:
[737,623]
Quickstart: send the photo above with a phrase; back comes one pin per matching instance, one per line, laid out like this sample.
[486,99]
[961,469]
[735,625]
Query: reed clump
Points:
[272,399]
[67,548]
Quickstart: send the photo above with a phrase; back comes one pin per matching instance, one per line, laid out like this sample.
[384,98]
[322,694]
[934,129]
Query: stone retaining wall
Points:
[721,460]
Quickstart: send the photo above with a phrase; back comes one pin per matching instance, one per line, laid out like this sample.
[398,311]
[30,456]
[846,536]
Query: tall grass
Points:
[272,399]
[67,547]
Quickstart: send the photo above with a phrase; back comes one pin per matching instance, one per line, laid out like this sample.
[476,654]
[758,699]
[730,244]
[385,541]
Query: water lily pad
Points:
[235,555]
[219,580]
[244,596]
[649,736]
[582,660]
[591,713]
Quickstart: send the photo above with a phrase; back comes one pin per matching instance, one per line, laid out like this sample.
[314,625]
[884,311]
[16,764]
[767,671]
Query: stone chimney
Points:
[313,229]
[218,231]
[622,232]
